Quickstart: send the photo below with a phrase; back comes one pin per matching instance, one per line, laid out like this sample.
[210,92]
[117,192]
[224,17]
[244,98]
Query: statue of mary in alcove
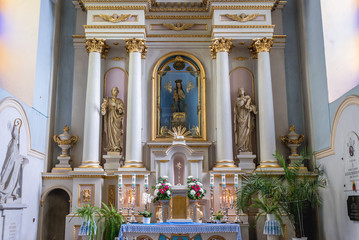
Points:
[11,172]
[179,97]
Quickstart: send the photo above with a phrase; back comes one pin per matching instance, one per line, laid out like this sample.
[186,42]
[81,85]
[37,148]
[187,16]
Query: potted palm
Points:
[89,226]
[110,221]
[146,216]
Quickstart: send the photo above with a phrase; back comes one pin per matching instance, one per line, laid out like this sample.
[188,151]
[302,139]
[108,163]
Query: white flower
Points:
[165,177]
[199,184]
[168,193]
[192,192]
[192,183]
[158,185]
[156,192]
[201,190]
[190,177]
[169,184]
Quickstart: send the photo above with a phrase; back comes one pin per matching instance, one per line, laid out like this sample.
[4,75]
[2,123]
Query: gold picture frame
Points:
[194,62]
[86,194]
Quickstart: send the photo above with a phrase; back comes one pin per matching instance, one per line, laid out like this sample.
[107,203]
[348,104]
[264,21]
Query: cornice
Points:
[178,36]
[104,7]
[114,26]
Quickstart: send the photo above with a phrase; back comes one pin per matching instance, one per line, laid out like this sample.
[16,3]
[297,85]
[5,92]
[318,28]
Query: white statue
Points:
[11,172]
[244,124]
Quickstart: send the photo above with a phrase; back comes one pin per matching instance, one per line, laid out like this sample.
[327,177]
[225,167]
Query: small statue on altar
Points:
[113,110]
[244,124]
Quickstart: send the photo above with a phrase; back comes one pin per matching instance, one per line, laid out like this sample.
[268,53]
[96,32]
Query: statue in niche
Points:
[244,124]
[179,97]
[11,172]
[113,109]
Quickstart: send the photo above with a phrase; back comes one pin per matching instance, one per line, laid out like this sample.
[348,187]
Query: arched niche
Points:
[116,77]
[241,77]
[55,207]
[182,74]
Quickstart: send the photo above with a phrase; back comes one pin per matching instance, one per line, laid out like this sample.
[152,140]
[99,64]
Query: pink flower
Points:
[165,180]
[193,187]
[163,184]
[198,194]
[196,186]
[193,180]
[166,187]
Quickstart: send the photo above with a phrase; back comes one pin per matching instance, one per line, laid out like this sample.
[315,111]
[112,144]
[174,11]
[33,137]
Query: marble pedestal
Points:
[113,162]
[246,160]
[10,220]
[63,166]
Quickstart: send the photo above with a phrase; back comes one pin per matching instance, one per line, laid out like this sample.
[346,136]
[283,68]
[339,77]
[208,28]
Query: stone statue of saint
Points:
[11,172]
[244,124]
[113,111]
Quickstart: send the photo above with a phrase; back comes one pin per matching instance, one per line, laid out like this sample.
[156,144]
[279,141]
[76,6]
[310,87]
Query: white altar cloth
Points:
[154,230]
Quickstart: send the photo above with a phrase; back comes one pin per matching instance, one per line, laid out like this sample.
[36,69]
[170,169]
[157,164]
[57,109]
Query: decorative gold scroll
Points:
[115,18]
[95,45]
[221,45]
[178,26]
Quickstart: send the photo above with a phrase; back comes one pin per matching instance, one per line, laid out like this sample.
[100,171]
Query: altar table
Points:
[190,231]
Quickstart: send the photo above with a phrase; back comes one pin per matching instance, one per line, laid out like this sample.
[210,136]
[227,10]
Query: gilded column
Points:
[220,50]
[260,49]
[136,49]
[92,121]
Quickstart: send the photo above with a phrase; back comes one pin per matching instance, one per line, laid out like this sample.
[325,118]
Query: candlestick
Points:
[211,180]
[133,180]
[120,180]
[235,180]
[146,181]
[223,180]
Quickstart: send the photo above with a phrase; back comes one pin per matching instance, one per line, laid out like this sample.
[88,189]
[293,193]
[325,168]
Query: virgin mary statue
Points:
[11,172]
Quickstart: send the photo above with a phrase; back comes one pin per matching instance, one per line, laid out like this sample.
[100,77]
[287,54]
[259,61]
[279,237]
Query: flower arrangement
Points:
[195,188]
[218,216]
[162,189]
[145,214]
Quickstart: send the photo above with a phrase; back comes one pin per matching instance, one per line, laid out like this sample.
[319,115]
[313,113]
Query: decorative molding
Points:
[78,36]
[178,26]
[115,18]
[136,45]
[241,58]
[13,103]
[117,58]
[242,17]
[115,8]
[243,7]
[177,17]
[95,45]
[350,100]
[260,45]
[220,45]
[114,26]
[243,26]
[178,36]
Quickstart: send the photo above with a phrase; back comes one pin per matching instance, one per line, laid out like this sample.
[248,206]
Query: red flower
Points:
[198,194]
[196,186]
[193,187]
[163,184]
[165,180]
[193,180]
[166,187]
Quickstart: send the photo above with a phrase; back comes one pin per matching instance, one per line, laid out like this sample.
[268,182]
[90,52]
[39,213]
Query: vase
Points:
[218,221]
[146,220]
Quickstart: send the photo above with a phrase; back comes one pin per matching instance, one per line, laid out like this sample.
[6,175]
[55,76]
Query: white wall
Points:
[31,183]
[334,215]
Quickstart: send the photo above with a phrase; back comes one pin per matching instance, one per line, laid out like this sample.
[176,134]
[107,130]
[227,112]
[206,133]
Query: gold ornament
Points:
[179,132]
[260,45]
[178,26]
[221,45]
[95,45]
[242,17]
[115,18]
[105,51]
[136,45]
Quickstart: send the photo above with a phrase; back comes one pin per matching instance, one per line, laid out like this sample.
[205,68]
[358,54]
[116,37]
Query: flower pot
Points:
[218,221]
[146,220]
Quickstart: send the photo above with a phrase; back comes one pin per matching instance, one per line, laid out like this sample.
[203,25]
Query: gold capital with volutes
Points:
[136,45]
[106,49]
[95,45]
[260,45]
[220,45]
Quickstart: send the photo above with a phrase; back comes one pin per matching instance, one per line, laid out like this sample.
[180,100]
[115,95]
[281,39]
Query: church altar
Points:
[193,231]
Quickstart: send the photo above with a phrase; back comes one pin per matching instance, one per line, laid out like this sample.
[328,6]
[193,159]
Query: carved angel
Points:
[115,18]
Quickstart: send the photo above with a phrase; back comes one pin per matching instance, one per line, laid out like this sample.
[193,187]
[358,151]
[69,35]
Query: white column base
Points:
[246,161]
[63,166]
[113,162]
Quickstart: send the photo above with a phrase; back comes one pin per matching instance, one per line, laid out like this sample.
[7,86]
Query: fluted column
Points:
[135,48]
[92,121]
[260,49]
[220,50]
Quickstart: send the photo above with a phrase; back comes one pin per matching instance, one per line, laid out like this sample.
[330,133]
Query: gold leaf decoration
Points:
[241,58]
[115,18]
[242,17]
[117,58]
[178,26]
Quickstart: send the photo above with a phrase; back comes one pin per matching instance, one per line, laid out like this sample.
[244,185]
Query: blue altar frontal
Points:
[180,231]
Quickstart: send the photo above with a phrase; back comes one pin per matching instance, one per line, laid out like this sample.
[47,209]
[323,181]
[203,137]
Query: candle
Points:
[146,181]
[129,201]
[211,180]
[223,180]
[133,180]
[120,180]
[236,180]
[220,200]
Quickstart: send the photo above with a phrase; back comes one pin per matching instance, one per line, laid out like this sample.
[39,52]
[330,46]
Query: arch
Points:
[44,194]
[350,100]
[13,103]
[162,61]
[250,72]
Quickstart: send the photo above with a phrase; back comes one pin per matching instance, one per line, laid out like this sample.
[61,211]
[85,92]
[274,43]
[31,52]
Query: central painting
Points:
[179,99]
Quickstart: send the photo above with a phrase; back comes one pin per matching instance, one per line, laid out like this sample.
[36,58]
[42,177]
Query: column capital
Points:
[260,45]
[95,45]
[105,50]
[136,45]
[221,45]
